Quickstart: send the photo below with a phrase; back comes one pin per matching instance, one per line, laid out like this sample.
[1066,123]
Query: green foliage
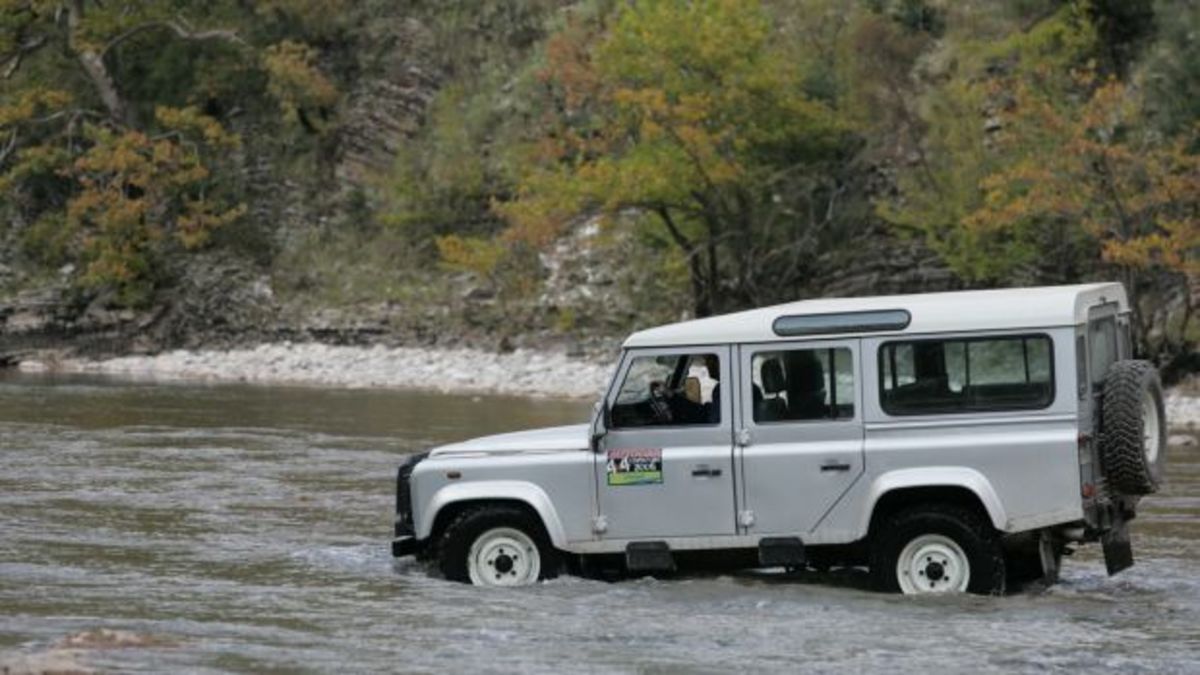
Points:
[304,94]
[1170,70]
[962,118]
[114,154]
[1040,164]
[468,152]
[726,146]
[694,114]
[136,191]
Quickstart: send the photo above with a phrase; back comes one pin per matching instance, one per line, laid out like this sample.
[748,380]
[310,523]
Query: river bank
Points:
[523,372]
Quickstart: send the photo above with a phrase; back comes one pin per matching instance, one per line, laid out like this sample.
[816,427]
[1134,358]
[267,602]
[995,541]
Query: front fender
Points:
[513,490]
[933,477]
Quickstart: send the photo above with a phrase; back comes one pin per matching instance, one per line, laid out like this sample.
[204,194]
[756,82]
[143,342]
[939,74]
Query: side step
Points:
[781,552]
[649,556]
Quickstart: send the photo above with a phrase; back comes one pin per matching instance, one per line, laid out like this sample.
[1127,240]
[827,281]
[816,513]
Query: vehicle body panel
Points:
[695,495]
[792,471]
[555,483]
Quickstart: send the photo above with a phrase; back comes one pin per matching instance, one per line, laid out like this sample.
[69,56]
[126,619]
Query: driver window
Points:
[669,390]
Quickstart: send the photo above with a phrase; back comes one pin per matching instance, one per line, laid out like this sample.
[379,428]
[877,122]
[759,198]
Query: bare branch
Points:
[181,29]
[9,147]
[676,234]
[14,61]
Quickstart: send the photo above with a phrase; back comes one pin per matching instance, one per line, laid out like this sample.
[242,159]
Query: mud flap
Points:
[1118,551]
[1050,560]
[402,546]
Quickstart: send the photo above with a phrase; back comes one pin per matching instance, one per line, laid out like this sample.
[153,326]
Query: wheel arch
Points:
[451,500]
[900,489]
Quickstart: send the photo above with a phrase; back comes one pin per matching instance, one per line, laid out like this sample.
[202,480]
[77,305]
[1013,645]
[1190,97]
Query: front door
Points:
[665,466]
[802,433]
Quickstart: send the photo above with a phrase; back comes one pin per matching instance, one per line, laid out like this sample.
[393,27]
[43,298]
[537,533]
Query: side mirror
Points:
[601,419]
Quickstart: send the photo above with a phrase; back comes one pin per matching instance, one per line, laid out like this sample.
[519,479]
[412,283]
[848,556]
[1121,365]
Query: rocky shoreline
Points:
[1183,413]
[522,372]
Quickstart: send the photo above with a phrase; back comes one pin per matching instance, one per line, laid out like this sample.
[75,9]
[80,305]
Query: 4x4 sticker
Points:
[635,466]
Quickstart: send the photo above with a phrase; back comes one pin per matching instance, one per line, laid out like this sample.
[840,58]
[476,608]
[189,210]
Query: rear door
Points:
[665,466]
[801,423]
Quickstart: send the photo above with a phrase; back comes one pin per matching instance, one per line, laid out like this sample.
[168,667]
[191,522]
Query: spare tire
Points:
[1133,430]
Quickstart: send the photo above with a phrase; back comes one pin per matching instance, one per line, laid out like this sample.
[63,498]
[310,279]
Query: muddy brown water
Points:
[244,528]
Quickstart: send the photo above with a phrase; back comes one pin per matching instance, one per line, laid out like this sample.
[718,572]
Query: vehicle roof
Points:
[957,311]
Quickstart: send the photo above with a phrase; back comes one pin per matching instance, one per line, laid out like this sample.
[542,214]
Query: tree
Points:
[691,116]
[95,173]
[1039,164]
[1133,197]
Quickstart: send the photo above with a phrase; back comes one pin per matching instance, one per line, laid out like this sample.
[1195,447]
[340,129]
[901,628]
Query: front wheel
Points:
[937,548]
[496,546]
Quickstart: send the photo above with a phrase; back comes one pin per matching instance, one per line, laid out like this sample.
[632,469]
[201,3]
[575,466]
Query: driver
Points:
[713,365]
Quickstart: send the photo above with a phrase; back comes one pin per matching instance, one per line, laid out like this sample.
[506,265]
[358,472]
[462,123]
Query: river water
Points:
[241,528]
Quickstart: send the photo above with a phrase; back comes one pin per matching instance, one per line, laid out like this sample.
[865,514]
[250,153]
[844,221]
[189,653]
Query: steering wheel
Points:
[660,408]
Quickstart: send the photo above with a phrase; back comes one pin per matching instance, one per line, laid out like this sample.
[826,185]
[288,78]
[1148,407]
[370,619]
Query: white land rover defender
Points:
[949,442]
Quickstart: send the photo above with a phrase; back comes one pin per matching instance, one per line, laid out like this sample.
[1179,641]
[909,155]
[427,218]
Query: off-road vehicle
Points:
[947,442]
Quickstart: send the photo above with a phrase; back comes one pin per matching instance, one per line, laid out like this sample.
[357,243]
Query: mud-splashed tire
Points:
[496,546]
[1133,429]
[925,549]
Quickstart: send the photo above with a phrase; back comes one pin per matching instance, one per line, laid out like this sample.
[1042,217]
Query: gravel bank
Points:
[522,372]
[1183,411]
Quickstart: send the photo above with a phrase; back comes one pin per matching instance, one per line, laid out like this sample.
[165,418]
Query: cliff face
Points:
[388,104]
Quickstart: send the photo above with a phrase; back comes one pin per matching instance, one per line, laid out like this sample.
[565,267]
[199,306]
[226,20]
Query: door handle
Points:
[703,471]
[835,466]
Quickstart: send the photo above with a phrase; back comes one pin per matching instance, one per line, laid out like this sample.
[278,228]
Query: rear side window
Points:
[802,384]
[966,375]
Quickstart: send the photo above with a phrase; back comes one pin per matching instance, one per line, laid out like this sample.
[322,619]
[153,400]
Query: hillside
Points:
[543,172]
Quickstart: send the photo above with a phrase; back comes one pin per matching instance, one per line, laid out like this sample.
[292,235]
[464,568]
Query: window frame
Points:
[631,355]
[831,347]
[968,409]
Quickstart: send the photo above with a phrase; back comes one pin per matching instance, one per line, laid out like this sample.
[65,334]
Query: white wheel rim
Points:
[933,563]
[504,556]
[1150,437]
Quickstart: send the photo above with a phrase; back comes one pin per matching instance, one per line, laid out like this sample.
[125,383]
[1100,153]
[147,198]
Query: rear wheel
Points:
[496,546]
[937,548]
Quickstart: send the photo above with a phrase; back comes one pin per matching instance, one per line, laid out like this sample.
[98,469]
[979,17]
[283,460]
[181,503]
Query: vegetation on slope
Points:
[717,154]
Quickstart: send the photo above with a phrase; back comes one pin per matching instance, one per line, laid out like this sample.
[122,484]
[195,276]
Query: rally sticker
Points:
[635,466]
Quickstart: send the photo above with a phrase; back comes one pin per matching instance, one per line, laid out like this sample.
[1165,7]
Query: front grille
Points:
[404,506]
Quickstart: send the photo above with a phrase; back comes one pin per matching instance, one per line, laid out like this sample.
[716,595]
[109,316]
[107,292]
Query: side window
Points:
[802,384]
[941,376]
[669,390]
[1102,342]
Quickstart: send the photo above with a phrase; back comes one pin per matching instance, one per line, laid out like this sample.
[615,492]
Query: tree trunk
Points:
[701,296]
[93,65]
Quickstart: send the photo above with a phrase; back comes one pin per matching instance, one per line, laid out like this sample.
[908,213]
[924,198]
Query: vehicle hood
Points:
[550,439]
